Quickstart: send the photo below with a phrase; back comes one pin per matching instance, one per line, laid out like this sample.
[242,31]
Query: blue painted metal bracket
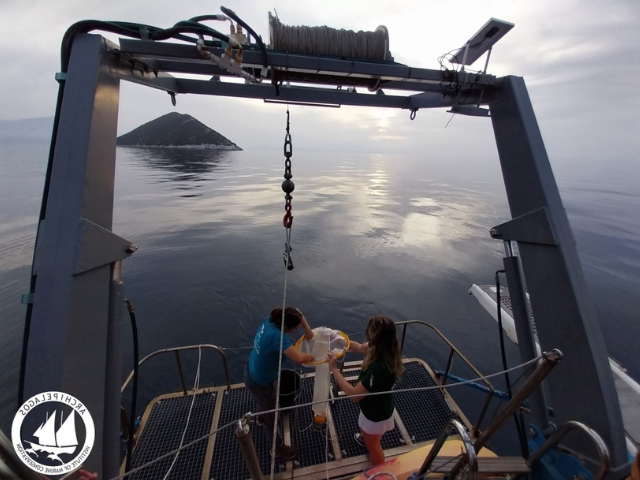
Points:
[554,465]
[483,388]
[476,386]
[532,227]
[97,246]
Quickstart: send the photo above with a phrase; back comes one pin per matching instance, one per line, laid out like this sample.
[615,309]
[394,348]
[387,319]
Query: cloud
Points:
[579,59]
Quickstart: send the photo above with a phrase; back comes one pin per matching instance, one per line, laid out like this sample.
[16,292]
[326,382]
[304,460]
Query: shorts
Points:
[375,428]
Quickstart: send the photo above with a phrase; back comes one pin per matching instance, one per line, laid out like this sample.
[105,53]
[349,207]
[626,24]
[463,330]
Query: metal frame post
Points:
[248,449]
[563,310]
[73,334]
[526,338]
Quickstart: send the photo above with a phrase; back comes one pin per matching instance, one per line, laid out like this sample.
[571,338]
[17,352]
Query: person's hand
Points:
[84,475]
[308,333]
[79,475]
[309,358]
[332,360]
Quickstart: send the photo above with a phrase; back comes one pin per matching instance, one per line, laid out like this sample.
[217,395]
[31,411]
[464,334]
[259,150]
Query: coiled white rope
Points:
[416,389]
[328,41]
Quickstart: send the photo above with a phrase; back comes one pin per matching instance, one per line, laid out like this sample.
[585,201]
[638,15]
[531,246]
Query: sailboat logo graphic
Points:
[54,441]
[57,435]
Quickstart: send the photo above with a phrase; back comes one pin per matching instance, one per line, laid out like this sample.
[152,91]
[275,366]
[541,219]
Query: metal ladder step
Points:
[487,466]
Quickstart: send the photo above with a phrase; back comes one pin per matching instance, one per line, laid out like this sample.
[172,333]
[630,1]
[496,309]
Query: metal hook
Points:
[173,98]
[288,261]
[412,115]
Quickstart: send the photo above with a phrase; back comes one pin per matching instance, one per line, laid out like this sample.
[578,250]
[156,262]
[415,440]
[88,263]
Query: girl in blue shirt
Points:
[261,371]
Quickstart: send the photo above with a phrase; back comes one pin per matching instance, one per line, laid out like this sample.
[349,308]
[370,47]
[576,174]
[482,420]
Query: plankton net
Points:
[324,340]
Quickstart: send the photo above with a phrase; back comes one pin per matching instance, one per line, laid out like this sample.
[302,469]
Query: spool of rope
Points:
[329,41]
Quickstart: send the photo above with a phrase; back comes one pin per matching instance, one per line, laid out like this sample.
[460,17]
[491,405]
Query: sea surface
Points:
[400,235]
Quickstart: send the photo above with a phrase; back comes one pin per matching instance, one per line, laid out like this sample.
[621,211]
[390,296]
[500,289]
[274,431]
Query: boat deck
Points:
[420,417]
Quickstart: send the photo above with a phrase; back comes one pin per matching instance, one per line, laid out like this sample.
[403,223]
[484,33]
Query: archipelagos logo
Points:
[53,433]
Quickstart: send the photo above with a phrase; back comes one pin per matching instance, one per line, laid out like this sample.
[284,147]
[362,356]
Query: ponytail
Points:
[292,317]
[383,344]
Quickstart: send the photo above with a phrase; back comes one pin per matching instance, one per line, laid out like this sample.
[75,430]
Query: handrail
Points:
[177,351]
[555,438]
[452,350]
[544,366]
[472,460]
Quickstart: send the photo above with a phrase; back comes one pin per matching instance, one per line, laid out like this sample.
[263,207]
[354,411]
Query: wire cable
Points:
[189,27]
[415,389]
[517,418]
[168,454]
[204,18]
[196,384]
[134,391]
[326,436]
[275,419]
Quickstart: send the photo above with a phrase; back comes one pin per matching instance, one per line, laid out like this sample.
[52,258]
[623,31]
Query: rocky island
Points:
[176,130]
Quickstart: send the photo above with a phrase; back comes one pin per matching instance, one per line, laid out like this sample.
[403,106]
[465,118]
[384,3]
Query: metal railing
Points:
[559,434]
[454,426]
[176,351]
[452,352]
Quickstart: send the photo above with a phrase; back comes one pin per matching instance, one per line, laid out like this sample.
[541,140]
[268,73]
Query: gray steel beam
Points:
[582,388]
[294,62]
[132,70]
[71,339]
[210,69]
[163,81]
[311,95]
[207,68]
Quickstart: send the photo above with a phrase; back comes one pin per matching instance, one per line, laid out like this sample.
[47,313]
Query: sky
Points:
[580,60]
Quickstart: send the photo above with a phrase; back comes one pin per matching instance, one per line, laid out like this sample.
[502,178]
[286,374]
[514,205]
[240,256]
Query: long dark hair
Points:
[383,344]
[292,317]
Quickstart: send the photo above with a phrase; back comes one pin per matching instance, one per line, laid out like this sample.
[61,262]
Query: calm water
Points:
[399,235]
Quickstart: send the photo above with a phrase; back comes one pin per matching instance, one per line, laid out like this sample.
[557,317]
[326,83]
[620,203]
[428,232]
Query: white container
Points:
[324,340]
[321,347]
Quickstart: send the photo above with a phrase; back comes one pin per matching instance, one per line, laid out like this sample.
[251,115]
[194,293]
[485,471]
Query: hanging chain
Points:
[287,187]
